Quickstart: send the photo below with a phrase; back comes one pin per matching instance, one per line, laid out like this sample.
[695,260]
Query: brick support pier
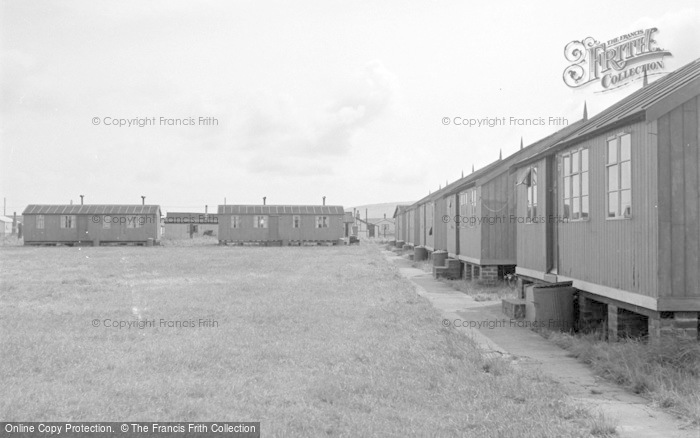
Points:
[488,275]
[592,314]
[666,324]
[612,323]
[468,272]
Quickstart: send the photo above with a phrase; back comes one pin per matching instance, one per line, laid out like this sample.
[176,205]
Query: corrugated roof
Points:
[176,214]
[281,209]
[377,220]
[633,107]
[641,100]
[91,209]
[399,210]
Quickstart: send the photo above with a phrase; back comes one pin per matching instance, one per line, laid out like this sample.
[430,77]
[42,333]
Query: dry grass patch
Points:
[195,241]
[11,241]
[481,292]
[423,265]
[668,372]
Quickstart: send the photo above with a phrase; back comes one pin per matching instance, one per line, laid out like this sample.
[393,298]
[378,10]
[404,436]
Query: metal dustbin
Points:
[439,258]
[399,244]
[420,253]
[149,242]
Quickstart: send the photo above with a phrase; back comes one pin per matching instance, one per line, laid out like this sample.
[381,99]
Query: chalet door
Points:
[82,227]
[550,215]
[274,228]
[457,224]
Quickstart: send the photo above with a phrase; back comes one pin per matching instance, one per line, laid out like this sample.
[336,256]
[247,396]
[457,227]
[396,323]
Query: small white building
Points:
[5,226]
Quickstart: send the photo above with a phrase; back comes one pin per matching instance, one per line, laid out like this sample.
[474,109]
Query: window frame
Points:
[296,221]
[472,202]
[531,195]
[430,214]
[134,223]
[463,204]
[620,214]
[40,222]
[259,220]
[235,222]
[66,221]
[323,222]
[570,174]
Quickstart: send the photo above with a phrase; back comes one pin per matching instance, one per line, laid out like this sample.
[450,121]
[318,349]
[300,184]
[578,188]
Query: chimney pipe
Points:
[324,200]
[81,199]
[264,200]
[206,209]
[143,200]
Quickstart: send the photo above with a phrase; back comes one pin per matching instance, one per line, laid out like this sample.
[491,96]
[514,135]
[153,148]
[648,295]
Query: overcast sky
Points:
[337,98]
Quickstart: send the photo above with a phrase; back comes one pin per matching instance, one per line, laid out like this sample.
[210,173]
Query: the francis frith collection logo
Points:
[614,63]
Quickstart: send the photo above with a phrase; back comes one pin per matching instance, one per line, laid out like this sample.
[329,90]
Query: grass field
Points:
[327,341]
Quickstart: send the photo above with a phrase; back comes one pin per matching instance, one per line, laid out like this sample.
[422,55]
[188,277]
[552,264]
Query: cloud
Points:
[278,127]
[678,33]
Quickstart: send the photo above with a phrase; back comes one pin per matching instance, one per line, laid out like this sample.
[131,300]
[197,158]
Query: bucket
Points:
[439,258]
[420,253]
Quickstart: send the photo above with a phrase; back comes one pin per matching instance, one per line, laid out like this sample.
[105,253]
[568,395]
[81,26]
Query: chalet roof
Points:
[469,180]
[642,100]
[281,209]
[91,209]
[398,210]
[179,214]
[377,220]
[647,103]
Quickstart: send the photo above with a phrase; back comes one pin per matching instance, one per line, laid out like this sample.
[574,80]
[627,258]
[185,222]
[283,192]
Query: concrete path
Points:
[634,415]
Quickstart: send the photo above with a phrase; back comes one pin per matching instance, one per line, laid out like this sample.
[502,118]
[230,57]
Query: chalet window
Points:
[619,176]
[472,203]
[40,222]
[575,190]
[67,221]
[321,221]
[260,222]
[134,222]
[463,211]
[532,193]
[296,222]
[467,201]
[235,222]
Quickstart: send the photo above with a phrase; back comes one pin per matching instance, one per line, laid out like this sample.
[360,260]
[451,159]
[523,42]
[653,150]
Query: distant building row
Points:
[141,224]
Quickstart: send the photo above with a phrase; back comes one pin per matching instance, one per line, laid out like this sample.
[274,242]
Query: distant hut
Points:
[400,224]
[91,224]
[187,225]
[281,224]
[383,227]
[5,226]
